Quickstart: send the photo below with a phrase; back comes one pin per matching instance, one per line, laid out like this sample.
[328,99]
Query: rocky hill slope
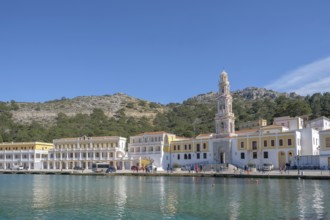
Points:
[247,94]
[47,112]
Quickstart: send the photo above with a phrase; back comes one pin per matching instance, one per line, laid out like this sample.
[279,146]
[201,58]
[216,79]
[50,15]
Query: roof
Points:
[152,133]
[208,135]
[182,138]
[319,118]
[272,127]
[324,131]
[86,138]
[24,143]
[246,131]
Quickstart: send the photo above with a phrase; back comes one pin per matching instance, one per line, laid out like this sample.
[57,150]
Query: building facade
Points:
[320,124]
[29,155]
[222,141]
[82,152]
[325,149]
[190,151]
[253,124]
[224,118]
[273,144]
[150,148]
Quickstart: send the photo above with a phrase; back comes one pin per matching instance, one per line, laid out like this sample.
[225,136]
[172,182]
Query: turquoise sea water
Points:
[125,197]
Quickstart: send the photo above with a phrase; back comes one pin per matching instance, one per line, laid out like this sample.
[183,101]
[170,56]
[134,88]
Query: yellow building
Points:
[29,155]
[325,149]
[273,144]
[189,151]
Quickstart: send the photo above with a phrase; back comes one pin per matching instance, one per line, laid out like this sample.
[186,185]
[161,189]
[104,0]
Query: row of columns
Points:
[93,157]
[59,165]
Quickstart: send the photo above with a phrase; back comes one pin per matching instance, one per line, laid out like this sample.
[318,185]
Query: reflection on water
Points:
[120,197]
[318,204]
[40,192]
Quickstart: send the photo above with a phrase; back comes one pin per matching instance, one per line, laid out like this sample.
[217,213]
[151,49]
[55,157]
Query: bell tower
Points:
[224,118]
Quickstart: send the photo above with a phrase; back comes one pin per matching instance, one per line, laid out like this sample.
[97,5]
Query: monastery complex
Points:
[288,142]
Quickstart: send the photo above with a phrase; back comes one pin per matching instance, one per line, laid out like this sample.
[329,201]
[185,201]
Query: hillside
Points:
[123,115]
[47,112]
[247,94]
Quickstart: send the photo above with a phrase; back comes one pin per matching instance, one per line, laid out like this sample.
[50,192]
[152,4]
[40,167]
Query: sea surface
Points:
[146,197]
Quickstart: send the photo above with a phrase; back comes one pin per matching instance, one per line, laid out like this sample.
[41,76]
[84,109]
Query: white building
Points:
[224,118]
[150,147]
[320,124]
[82,152]
[222,142]
[310,142]
[292,124]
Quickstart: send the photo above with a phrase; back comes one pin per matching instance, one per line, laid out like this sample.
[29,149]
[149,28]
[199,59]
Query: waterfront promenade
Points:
[291,174]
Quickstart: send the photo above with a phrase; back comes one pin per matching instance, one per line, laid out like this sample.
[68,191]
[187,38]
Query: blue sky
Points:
[161,51]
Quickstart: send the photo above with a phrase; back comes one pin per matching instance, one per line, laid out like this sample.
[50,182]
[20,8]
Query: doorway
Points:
[222,157]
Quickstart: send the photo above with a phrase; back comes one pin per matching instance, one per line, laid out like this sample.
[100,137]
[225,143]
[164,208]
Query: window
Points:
[281,142]
[198,156]
[242,144]
[204,146]
[254,145]
[185,156]
[272,143]
[265,143]
[178,156]
[266,155]
[204,155]
[254,155]
[189,146]
[242,156]
[178,147]
[174,147]
[189,156]
[327,142]
[198,148]
[289,142]
[185,147]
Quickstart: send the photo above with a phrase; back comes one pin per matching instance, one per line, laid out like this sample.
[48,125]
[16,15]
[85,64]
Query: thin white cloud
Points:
[308,79]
